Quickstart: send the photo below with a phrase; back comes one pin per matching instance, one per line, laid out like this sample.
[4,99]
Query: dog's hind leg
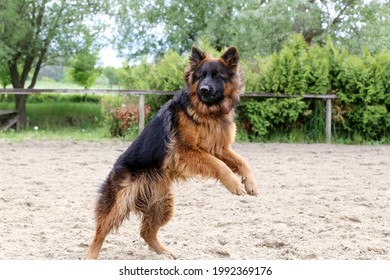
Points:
[112,208]
[154,216]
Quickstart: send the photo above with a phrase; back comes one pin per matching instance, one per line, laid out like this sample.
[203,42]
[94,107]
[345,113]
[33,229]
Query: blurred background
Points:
[291,47]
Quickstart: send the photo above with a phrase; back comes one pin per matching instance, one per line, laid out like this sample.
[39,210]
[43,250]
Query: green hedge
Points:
[362,84]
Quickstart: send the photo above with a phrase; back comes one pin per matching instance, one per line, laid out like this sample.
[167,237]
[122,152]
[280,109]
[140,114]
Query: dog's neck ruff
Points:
[201,112]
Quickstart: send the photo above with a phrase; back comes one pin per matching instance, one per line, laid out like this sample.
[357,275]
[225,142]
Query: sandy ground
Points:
[317,202]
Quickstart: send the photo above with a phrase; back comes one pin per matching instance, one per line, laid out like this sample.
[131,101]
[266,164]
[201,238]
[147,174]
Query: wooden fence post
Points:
[141,113]
[328,121]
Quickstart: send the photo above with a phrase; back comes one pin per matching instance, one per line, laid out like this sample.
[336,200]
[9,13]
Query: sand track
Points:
[317,202]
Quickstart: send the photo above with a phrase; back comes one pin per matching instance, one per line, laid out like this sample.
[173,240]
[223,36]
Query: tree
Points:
[84,71]
[256,27]
[353,24]
[159,25]
[35,32]
[262,28]
[112,75]
[366,26]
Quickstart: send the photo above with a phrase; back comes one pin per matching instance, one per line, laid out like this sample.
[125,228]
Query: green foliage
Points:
[255,27]
[289,69]
[317,79]
[84,71]
[138,76]
[60,115]
[72,98]
[204,44]
[166,74]
[361,83]
[169,72]
[364,92]
[121,114]
[360,114]
[112,74]
[57,98]
[265,117]
[312,121]
[34,33]
[296,69]
[256,72]
[44,32]
[177,25]
[5,78]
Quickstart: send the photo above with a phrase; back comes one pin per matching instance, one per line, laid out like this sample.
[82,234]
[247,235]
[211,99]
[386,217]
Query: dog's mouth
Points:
[209,98]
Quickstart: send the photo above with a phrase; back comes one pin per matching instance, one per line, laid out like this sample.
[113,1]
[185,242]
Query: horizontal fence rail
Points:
[86,91]
[142,93]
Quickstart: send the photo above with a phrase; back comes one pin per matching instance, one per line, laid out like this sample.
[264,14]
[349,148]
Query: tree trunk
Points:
[20,100]
[20,106]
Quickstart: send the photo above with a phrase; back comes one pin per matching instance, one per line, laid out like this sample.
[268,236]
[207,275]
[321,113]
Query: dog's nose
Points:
[204,90]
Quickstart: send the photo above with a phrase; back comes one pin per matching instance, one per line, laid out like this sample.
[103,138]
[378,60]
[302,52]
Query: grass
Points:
[63,121]
[59,134]
[53,116]
[63,115]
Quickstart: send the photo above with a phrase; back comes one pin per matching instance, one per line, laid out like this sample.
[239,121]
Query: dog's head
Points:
[215,82]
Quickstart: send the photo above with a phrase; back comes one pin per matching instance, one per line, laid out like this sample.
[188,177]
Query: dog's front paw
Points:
[240,191]
[250,186]
[237,190]
[252,190]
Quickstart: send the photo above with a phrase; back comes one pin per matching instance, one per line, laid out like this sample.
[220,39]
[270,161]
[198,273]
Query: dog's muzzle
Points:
[206,93]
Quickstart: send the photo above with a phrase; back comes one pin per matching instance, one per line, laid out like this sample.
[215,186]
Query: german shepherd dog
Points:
[191,135]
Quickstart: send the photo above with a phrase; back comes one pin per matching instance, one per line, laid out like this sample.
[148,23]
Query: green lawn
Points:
[52,116]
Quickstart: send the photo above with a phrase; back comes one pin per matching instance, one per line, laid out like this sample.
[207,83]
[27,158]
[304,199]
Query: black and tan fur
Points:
[191,135]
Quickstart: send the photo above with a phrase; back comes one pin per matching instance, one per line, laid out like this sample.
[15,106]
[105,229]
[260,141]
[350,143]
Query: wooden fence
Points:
[327,97]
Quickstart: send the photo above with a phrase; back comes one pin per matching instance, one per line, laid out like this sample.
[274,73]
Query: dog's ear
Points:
[231,57]
[197,56]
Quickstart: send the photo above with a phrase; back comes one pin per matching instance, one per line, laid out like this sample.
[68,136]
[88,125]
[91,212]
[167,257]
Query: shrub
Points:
[138,76]
[121,114]
[169,72]
[72,98]
[361,83]
[262,118]
[318,76]
[363,91]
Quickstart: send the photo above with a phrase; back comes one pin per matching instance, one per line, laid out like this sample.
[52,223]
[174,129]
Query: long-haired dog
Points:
[191,135]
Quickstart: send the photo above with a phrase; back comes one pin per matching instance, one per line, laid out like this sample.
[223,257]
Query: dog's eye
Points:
[200,75]
[222,77]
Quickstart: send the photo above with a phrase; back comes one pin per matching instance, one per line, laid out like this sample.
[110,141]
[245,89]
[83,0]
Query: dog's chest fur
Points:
[212,136]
